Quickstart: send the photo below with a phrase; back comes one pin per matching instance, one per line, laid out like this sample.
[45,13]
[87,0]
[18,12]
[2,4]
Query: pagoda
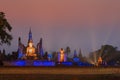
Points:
[30,49]
[29,52]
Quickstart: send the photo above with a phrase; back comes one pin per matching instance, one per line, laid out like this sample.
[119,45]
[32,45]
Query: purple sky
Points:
[85,24]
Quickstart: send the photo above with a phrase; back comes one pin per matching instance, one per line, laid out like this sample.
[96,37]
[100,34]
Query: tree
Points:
[107,49]
[67,50]
[46,56]
[5,28]
[80,55]
[54,56]
[108,53]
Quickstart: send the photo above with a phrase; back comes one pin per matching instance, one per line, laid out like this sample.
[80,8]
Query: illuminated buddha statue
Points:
[62,55]
[30,50]
[99,61]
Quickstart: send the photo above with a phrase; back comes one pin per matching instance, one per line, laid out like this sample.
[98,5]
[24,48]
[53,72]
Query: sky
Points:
[79,24]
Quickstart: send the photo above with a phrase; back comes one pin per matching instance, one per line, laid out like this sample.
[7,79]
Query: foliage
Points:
[108,53]
[67,50]
[5,28]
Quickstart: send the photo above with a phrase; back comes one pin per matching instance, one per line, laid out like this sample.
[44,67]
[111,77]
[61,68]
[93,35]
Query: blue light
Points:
[20,63]
[59,57]
[43,63]
[76,59]
[67,63]
[49,56]
[41,52]
[20,55]
[80,64]
[83,64]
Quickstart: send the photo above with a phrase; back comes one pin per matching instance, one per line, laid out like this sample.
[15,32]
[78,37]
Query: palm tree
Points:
[5,28]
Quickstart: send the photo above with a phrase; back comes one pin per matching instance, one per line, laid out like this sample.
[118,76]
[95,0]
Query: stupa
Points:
[30,52]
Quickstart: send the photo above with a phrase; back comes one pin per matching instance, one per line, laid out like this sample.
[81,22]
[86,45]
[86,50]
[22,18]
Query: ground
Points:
[59,73]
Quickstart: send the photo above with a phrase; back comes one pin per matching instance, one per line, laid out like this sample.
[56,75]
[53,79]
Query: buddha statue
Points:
[30,51]
[62,55]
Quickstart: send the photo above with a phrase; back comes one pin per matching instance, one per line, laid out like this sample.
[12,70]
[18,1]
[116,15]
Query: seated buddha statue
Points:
[30,52]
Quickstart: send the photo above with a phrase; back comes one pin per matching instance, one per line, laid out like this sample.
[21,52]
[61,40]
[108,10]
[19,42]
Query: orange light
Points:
[61,55]
[99,60]
[30,44]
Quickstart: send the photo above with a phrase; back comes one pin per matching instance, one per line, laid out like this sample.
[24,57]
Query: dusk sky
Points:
[85,24]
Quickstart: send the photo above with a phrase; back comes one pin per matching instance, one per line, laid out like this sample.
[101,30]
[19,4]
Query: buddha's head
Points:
[30,44]
[62,51]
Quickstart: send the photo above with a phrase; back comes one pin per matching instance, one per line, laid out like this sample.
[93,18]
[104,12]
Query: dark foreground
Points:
[57,77]
[59,73]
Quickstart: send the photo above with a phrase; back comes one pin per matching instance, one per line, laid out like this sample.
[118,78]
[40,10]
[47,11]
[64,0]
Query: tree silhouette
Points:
[108,53]
[67,50]
[5,28]
[80,55]
[46,56]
